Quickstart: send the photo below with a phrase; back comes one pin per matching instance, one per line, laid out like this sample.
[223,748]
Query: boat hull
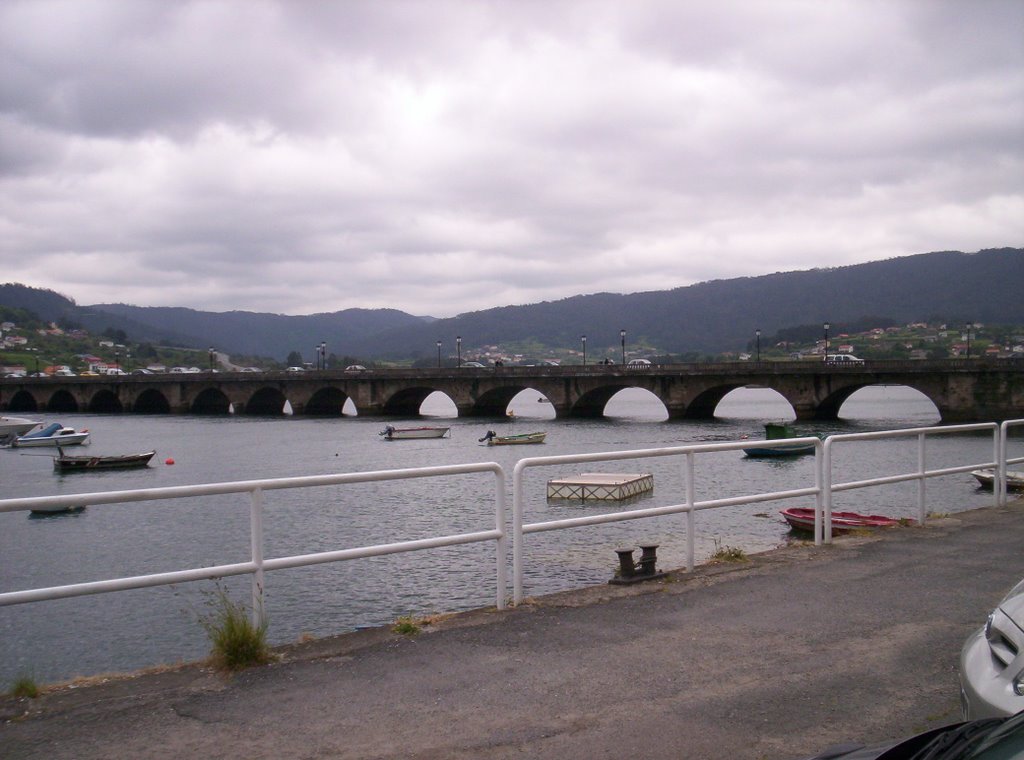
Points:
[119,462]
[789,450]
[986,479]
[15,426]
[405,434]
[516,440]
[70,439]
[802,519]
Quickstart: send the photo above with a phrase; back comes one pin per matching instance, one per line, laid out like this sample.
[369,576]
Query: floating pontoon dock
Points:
[610,486]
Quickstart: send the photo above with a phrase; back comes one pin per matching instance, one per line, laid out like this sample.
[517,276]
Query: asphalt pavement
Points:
[776,657]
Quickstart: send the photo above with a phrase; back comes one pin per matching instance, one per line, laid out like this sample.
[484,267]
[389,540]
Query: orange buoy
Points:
[168,461]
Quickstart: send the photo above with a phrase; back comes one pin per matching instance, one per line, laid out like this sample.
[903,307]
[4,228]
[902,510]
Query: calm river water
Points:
[128,630]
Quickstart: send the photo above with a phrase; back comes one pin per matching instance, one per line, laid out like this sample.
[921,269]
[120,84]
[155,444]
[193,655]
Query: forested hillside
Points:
[708,317]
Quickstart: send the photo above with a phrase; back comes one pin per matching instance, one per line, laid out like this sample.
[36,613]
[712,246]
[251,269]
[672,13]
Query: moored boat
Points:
[802,518]
[15,426]
[986,478]
[493,439]
[53,434]
[391,433]
[774,432]
[64,463]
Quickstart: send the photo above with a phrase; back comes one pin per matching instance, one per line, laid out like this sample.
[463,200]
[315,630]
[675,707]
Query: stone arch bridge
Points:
[962,390]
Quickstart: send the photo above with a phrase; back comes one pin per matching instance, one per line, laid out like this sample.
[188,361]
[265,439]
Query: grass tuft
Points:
[406,626]
[728,553]
[25,686]
[237,642]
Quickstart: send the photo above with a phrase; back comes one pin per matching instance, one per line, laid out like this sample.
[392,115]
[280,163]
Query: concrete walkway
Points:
[774,658]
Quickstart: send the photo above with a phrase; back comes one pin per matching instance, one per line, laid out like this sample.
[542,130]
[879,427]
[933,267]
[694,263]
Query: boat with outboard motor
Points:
[53,434]
[391,433]
[493,439]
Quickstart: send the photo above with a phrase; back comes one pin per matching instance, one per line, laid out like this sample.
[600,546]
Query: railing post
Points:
[826,505]
[819,480]
[259,616]
[921,469]
[517,535]
[1001,455]
[690,521]
[501,550]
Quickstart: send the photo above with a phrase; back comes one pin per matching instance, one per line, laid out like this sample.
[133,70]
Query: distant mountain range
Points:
[708,317]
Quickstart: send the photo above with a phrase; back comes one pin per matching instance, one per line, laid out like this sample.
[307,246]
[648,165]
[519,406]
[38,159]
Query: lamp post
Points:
[824,357]
[128,358]
[458,349]
[584,339]
[757,333]
[210,354]
[117,360]
[323,353]
[969,326]
[622,337]
[439,354]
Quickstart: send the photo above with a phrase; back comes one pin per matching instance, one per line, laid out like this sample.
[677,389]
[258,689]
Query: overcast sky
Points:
[443,157]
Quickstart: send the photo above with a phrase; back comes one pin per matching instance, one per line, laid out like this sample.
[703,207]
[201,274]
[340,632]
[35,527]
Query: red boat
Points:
[802,518]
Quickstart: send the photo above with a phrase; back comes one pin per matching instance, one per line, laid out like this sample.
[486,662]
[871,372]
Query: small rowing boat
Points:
[391,433]
[986,478]
[64,463]
[802,519]
[493,439]
[774,432]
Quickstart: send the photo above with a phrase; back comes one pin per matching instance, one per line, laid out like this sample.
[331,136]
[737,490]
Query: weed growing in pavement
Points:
[406,626]
[728,553]
[25,686]
[237,642]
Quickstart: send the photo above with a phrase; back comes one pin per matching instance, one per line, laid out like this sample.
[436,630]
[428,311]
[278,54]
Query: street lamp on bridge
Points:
[458,349]
[584,339]
[757,333]
[211,353]
[622,337]
[117,360]
[323,354]
[439,354]
[969,326]
[824,356]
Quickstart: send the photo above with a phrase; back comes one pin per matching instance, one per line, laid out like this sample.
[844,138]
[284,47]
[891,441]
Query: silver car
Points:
[992,662]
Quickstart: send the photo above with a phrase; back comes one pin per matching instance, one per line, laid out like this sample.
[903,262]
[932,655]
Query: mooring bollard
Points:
[648,559]
[626,567]
[643,570]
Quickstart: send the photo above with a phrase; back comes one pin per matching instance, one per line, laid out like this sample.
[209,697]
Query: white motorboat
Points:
[986,477]
[391,433]
[16,426]
[53,434]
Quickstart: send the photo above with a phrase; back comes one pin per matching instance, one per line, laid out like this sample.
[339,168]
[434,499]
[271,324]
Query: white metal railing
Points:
[688,506]
[822,489]
[921,474]
[1005,460]
[258,564]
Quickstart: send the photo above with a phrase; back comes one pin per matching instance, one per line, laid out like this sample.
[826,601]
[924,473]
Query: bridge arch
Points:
[329,401]
[105,401]
[407,401]
[23,401]
[212,401]
[496,401]
[703,405]
[151,401]
[266,401]
[62,401]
